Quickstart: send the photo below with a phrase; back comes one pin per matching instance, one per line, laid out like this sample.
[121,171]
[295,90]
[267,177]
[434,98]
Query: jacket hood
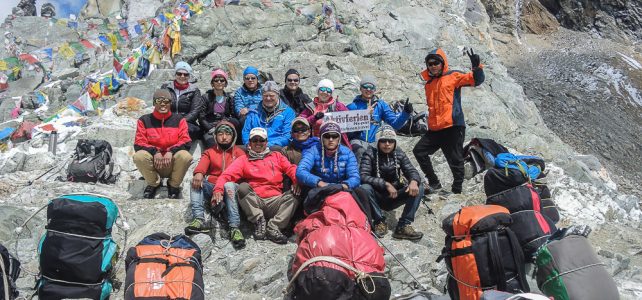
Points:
[225,122]
[439,53]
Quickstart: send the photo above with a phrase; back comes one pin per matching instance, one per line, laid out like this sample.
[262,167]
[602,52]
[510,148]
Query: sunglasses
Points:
[221,80]
[369,87]
[293,80]
[433,63]
[162,101]
[181,74]
[250,78]
[325,90]
[301,130]
[332,136]
[258,140]
[386,141]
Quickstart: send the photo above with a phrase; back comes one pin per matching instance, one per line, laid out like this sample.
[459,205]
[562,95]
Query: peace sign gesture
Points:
[474,58]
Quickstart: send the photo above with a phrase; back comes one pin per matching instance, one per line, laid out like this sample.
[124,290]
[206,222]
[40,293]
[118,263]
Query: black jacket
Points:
[189,104]
[391,167]
[208,119]
[299,101]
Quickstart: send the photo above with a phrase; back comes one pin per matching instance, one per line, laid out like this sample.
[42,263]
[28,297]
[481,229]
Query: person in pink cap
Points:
[218,105]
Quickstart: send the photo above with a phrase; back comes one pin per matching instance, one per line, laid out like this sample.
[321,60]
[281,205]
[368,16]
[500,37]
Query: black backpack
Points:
[416,124]
[92,162]
[10,271]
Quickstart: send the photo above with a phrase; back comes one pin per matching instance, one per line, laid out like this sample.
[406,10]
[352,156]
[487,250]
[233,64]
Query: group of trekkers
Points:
[267,147]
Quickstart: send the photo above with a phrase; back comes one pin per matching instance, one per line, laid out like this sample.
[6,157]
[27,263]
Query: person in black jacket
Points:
[186,98]
[292,95]
[217,106]
[390,180]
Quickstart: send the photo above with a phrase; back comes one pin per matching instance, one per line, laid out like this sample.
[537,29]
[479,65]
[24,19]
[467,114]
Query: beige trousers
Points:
[175,172]
[277,210]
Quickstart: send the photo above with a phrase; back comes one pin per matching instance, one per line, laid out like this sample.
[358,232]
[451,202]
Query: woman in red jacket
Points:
[324,103]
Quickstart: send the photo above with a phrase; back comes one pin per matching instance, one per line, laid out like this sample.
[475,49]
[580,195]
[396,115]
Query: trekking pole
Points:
[430,211]
[417,284]
[30,182]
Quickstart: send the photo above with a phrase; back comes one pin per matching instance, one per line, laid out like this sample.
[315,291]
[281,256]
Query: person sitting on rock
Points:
[292,95]
[446,125]
[324,103]
[249,95]
[271,114]
[260,193]
[186,98]
[213,162]
[390,180]
[300,141]
[379,110]
[217,106]
[161,145]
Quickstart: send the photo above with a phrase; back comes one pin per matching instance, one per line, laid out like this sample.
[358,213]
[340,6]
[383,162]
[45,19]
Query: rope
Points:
[450,274]
[571,271]
[165,283]
[418,285]
[80,235]
[72,282]
[361,276]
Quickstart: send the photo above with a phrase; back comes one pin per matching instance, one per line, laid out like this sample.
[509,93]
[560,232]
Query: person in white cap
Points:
[322,104]
[260,194]
[271,114]
[186,98]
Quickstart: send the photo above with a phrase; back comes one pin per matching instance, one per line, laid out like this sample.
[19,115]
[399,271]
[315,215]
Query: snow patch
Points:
[631,61]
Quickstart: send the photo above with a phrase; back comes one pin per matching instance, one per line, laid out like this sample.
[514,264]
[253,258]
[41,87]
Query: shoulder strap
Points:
[518,257]
[497,268]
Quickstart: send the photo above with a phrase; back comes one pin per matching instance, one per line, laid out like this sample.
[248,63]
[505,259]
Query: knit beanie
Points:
[326,83]
[369,79]
[224,128]
[329,127]
[386,132]
[219,72]
[181,65]
[162,93]
[271,86]
[290,72]
[251,70]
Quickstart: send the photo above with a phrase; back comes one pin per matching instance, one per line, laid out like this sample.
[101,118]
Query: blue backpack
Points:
[77,252]
[530,166]
[143,67]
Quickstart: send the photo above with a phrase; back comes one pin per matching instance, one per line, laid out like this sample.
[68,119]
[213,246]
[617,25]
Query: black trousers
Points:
[451,143]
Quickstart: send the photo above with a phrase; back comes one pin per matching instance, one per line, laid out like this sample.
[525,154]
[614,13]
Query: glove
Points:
[474,58]
[319,115]
[407,107]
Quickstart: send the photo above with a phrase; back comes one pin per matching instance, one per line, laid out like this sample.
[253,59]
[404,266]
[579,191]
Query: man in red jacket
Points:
[261,194]
[213,162]
[161,145]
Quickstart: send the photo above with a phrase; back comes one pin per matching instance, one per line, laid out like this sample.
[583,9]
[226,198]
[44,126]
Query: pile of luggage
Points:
[488,246]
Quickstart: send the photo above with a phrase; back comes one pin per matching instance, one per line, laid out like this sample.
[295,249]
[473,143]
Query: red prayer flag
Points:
[87,44]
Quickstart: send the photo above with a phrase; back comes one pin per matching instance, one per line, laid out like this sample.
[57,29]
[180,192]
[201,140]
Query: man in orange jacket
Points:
[446,126]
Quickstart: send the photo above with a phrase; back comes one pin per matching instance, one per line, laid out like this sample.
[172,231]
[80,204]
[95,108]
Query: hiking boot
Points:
[407,233]
[456,189]
[259,229]
[276,236]
[195,227]
[380,229]
[150,192]
[236,236]
[172,192]
[434,187]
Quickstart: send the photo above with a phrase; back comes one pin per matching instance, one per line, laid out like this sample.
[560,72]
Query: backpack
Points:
[530,166]
[480,155]
[497,295]
[143,67]
[549,208]
[531,227]
[92,162]
[498,180]
[9,272]
[567,268]
[77,252]
[481,253]
[416,124]
[164,267]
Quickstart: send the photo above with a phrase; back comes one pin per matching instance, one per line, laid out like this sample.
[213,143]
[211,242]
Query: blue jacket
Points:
[309,171]
[246,99]
[380,112]
[277,126]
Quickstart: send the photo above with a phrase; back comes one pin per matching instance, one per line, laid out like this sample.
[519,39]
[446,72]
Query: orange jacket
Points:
[443,94]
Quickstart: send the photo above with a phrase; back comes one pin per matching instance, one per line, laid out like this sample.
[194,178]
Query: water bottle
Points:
[53,142]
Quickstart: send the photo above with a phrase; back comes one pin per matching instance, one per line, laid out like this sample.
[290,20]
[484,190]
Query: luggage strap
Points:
[496,260]
[361,276]
[571,271]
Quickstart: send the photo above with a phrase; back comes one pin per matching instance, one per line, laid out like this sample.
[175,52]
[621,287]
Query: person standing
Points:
[446,125]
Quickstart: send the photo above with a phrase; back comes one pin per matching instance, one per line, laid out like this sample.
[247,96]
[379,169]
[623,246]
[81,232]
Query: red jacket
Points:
[215,160]
[319,106]
[339,229]
[265,176]
[443,94]
[162,132]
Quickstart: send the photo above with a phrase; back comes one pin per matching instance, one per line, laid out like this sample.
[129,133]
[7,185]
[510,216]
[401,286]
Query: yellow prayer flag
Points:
[3,65]
[169,16]
[66,51]
[113,40]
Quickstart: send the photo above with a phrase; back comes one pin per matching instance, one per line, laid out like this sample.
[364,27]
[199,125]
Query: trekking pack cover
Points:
[9,272]
[569,269]
[92,162]
[77,252]
[548,206]
[531,227]
[164,267]
[481,253]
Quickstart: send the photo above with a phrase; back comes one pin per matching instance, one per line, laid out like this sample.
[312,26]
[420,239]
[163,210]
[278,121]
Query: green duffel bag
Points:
[568,269]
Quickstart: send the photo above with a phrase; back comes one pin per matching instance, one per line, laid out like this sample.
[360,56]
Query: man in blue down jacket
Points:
[272,115]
